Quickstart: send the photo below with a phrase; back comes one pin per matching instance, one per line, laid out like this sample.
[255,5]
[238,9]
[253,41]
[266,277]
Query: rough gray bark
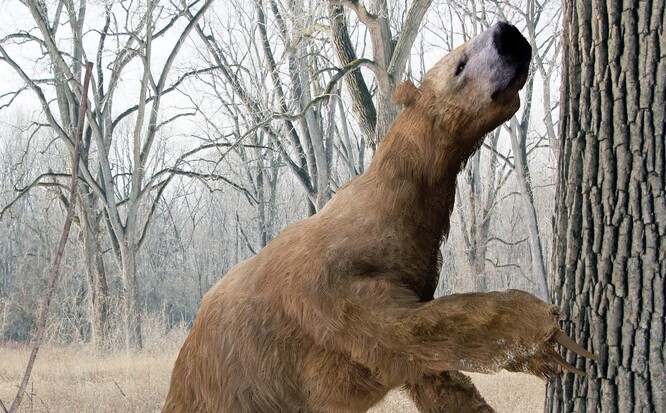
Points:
[609,256]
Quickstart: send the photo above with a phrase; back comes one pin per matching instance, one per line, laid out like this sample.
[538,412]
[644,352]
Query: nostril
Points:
[510,43]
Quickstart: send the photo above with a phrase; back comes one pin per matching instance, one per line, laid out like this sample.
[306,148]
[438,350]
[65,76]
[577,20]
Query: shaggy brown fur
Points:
[339,309]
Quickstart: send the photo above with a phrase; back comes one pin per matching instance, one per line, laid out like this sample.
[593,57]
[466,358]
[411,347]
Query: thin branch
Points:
[496,264]
[174,19]
[24,37]
[498,154]
[212,177]
[40,95]
[171,88]
[13,94]
[247,240]
[36,183]
[509,243]
[326,95]
[55,266]
[173,118]
[120,389]
[153,207]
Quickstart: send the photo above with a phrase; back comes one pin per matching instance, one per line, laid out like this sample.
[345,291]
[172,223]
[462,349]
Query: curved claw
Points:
[568,342]
[566,366]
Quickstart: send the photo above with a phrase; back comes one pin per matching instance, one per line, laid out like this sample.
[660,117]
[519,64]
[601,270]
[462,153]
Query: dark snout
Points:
[511,45]
[515,54]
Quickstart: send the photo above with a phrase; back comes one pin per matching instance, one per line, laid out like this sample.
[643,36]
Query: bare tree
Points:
[297,118]
[133,31]
[300,114]
[54,272]
[391,50]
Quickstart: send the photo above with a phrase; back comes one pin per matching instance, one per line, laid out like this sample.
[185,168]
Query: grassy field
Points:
[75,380]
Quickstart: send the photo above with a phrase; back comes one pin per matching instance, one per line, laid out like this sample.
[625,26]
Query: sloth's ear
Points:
[406,94]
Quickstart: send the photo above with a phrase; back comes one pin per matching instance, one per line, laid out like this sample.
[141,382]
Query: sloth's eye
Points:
[460,67]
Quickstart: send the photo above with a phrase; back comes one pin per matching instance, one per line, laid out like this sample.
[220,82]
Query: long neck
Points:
[415,170]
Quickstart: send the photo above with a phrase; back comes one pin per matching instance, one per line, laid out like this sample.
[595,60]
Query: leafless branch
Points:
[36,183]
[167,90]
[161,186]
[173,118]
[496,264]
[55,266]
[120,389]
[498,154]
[509,243]
[213,177]
[13,94]
[247,240]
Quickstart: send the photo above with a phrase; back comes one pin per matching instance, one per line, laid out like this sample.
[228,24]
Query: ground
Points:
[74,379]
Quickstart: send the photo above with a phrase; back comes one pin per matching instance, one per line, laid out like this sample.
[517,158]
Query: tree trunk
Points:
[609,256]
[479,215]
[524,183]
[389,54]
[98,289]
[132,313]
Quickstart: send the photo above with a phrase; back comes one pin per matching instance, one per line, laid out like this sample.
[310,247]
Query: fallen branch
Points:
[120,389]
[55,266]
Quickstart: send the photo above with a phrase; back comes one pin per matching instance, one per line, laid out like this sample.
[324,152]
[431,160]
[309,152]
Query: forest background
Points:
[209,132]
[213,125]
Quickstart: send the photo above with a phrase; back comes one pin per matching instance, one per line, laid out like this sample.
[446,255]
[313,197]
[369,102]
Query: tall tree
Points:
[116,174]
[609,257]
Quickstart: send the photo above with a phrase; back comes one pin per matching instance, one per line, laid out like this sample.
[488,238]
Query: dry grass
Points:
[76,380]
